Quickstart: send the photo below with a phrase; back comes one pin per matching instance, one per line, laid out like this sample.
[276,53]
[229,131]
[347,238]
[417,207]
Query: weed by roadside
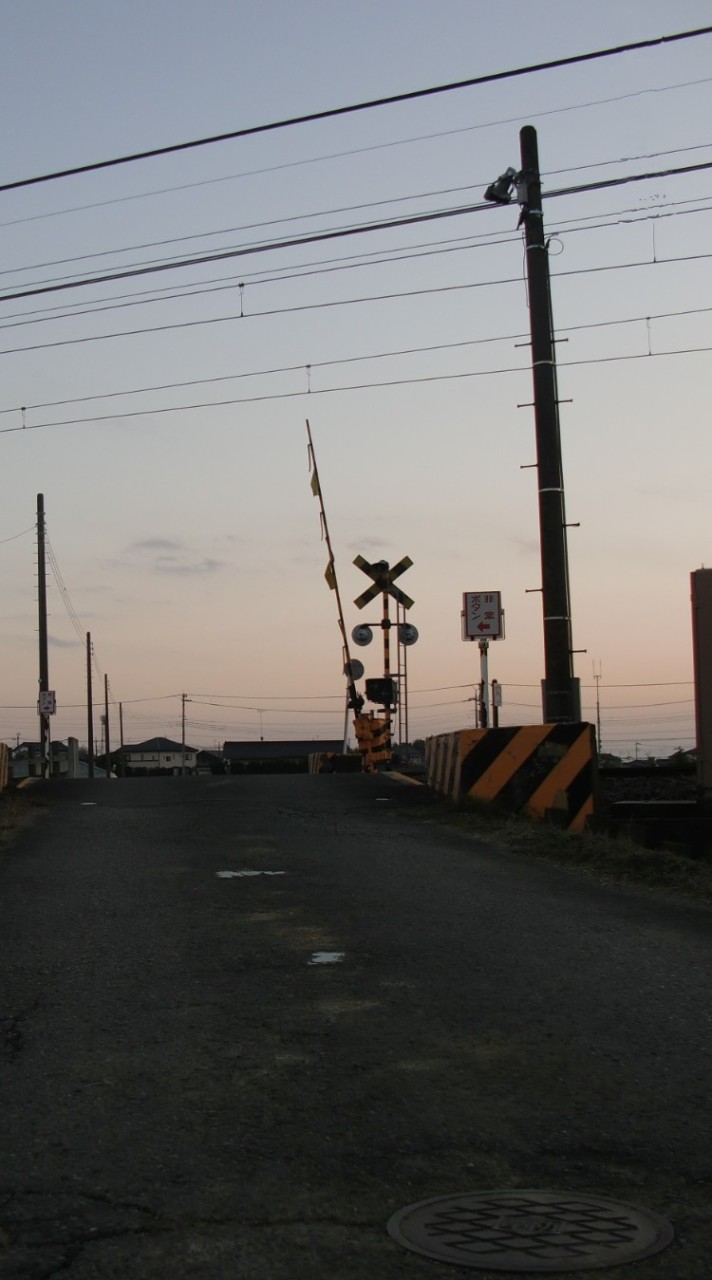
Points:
[17,811]
[609,859]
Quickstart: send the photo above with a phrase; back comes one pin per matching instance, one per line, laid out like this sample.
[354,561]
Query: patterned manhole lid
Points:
[530,1231]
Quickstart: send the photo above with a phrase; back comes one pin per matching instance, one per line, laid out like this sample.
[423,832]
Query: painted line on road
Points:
[230,875]
[327,957]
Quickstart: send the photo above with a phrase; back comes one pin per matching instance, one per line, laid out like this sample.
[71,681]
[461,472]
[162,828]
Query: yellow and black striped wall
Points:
[541,771]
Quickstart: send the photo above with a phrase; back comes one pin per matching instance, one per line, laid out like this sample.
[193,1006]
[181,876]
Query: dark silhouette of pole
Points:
[44,653]
[106,725]
[560,701]
[90,710]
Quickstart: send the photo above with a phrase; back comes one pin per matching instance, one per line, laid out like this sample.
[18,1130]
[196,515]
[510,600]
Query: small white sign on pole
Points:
[482,616]
[47,703]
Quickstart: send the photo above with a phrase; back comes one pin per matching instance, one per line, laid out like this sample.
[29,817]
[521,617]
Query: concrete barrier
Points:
[545,771]
[334,762]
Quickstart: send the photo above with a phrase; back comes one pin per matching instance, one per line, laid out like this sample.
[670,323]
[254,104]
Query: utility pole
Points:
[560,700]
[183,696]
[121,739]
[44,653]
[90,710]
[106,726]
[495,705]
[597,677]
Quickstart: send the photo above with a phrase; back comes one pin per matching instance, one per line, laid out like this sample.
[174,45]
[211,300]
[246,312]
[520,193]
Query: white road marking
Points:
[230,875]
[326,957]
[88,804]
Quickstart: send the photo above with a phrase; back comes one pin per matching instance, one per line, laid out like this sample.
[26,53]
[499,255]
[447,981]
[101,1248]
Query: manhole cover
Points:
[529,1231]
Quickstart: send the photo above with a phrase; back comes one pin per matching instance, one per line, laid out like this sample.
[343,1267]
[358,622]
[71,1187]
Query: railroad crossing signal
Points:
[383,578]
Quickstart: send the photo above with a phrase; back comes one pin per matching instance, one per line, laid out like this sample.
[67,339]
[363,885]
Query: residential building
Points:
[158,756]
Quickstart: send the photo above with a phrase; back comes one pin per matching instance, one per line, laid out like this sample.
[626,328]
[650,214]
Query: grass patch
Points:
[609,859]
[17,811]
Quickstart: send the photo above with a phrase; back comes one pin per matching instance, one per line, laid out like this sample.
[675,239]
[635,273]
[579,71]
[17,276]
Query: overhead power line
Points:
[387,224]
[357,386]
[343,302]
[344,360]
[348,262]
[330,212]
[355,151]
[368,105]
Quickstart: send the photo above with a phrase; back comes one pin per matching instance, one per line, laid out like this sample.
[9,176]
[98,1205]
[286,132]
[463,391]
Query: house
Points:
[210,762]
[26,762]
[158,756]
[290,756]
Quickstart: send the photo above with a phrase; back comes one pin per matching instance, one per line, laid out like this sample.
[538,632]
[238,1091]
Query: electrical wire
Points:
[391,99]
[15,536]
[338,155]
[388,224]
[341,302]
[330,212]
[350,262]
[348,302]
[345,360]
[359,386]
[248,226]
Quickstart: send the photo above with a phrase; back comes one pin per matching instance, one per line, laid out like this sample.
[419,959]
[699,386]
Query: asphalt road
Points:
[191,1088]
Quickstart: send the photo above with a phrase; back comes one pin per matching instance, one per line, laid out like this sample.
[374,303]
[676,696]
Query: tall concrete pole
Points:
[90,710]
[560,692]
[107,742]
[44,653]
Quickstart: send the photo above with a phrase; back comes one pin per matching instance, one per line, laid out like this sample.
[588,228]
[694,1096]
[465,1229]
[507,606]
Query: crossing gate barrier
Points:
[374,740]
[544,771]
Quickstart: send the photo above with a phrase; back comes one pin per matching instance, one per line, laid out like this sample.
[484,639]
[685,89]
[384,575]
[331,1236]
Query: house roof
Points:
[292,748]
[157,744]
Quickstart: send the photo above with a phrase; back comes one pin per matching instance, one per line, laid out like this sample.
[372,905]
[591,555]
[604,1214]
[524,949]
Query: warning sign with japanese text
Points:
[482,617]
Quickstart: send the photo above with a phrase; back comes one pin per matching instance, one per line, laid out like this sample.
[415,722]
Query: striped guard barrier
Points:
[374,740]
[541,771]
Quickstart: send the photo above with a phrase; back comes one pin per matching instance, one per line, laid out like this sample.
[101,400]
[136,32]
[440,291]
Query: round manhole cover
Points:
[529,1231]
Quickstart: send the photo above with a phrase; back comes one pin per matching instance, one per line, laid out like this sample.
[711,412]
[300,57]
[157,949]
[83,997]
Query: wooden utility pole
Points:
[44,654]
[560,696]
[90,710]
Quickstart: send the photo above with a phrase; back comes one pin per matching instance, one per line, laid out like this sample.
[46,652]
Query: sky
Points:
[163,416]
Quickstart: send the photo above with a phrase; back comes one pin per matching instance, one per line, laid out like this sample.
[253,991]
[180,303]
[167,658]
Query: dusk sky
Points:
[164,415]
